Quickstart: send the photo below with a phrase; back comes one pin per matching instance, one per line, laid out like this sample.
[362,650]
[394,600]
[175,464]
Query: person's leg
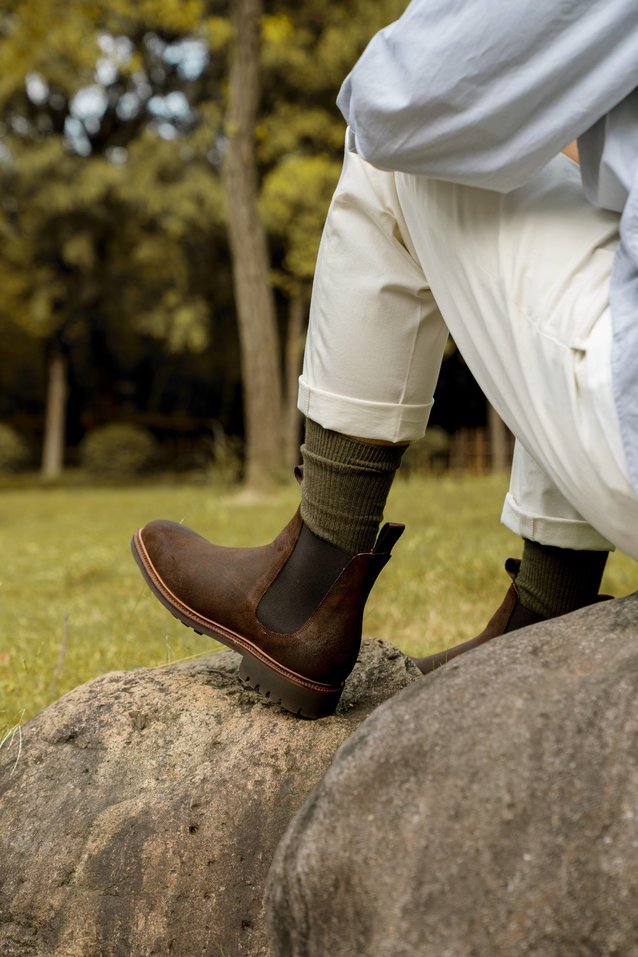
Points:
[294,609]
[563,556]
[535,509]
[344,490]
[522,280]
[523,283]
[376,337]
[373,356]
[563,560]
[562,564]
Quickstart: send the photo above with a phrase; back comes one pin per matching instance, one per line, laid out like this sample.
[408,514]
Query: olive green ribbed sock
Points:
[554,581]
[345,487]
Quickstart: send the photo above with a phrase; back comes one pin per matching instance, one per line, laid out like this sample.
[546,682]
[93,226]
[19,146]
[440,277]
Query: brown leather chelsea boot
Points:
[217,591]
[509,616]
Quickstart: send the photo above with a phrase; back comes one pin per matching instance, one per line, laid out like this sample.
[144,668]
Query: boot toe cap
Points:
[167,545]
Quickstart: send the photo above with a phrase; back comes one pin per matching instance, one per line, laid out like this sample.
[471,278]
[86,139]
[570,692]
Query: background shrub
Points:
[429,454]
[14,450]
[118,450]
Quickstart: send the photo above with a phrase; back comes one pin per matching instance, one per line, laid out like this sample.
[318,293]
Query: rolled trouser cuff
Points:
[548,530]
[385,421]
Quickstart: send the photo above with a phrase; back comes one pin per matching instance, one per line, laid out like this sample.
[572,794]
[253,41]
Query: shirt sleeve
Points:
[485,92]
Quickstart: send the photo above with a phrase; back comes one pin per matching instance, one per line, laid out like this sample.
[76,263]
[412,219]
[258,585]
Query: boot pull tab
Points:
[388,537]
[512,567]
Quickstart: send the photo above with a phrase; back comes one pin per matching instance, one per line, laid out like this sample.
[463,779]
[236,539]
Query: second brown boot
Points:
[217,591]
[509,616]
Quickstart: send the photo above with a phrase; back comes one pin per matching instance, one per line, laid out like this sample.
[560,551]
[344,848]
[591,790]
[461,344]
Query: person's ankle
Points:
[303,582]
[553,581]
[345,486]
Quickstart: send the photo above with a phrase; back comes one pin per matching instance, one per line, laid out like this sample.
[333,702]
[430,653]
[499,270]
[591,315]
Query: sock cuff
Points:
[343,450]
[553,581]
[345,486]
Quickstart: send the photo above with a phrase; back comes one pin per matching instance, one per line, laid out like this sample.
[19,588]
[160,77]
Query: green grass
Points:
[73,604]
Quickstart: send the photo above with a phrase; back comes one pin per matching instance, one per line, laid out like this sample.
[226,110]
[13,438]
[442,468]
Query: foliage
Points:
[307,52]
[114,237]
[14,450]
[112,222]
[294,199]
[118,450]
[225,467]
[61,40]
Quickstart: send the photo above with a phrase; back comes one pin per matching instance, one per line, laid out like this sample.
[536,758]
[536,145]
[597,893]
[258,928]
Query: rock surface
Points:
[490,810]
[142,813]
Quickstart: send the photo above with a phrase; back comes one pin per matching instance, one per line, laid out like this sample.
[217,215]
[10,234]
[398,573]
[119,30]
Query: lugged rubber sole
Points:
[278,684]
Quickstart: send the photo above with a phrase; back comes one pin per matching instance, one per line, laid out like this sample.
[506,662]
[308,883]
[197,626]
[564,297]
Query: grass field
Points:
[73,604]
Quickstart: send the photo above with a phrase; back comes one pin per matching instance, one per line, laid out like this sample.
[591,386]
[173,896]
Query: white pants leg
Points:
[522,281]
[535,509]
[376,337]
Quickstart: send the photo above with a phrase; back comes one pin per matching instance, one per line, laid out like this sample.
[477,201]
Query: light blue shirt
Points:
[486,92]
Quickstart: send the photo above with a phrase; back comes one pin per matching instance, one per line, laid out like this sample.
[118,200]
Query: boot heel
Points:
[296,698]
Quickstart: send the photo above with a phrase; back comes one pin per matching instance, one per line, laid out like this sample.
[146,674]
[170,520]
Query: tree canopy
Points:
[113,215]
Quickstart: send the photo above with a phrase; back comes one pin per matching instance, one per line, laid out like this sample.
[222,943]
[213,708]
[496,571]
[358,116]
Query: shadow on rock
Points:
[487,811]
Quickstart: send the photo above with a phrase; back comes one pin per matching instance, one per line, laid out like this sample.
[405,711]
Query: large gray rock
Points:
[490,810]
[144,809]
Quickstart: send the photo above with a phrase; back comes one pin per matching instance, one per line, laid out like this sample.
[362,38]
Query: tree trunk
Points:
[498,438]
[294,351]
[254,302]
[55,416]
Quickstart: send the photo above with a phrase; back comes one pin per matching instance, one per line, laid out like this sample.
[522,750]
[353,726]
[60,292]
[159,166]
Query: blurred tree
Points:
[283,137]
[255,305]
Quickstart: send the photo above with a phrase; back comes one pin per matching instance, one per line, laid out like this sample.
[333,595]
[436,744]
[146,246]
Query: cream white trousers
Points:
[521,281]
